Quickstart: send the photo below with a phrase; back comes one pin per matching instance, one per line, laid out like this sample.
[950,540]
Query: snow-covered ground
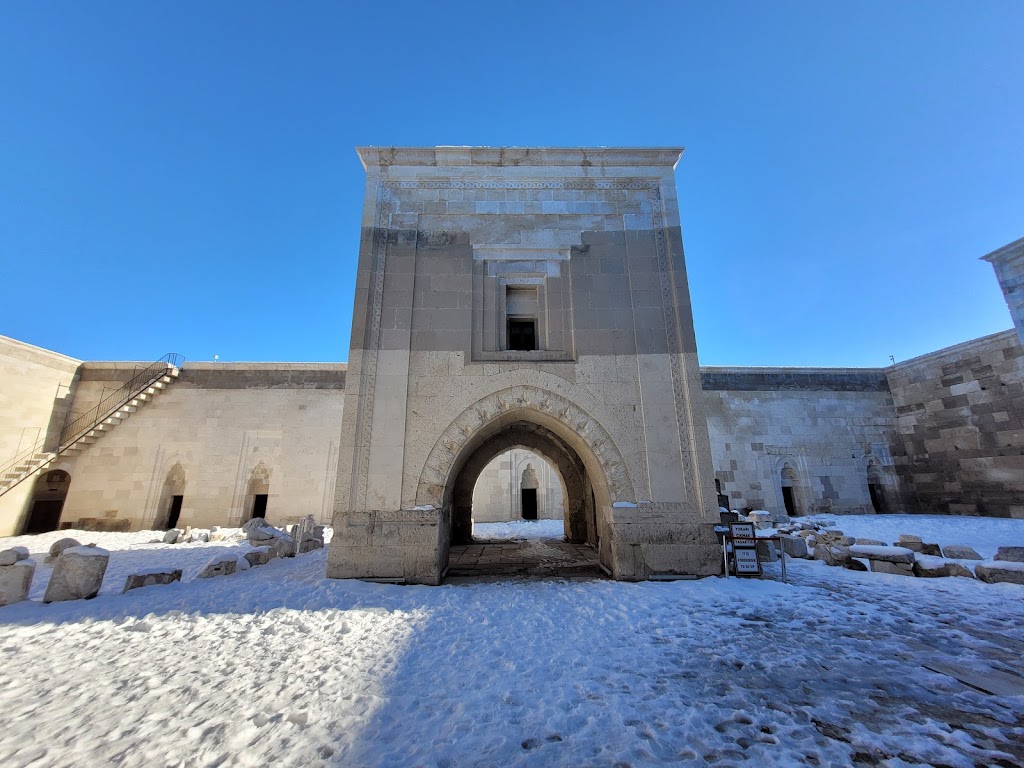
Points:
[279,665]
[520,529]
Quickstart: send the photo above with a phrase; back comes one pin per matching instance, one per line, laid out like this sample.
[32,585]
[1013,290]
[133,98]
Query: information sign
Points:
[746,561]
[742,531]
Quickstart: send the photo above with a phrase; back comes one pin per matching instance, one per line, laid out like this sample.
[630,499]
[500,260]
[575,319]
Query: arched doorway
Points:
[876,488]
[172,498]
[528,486]
[257,493]
[789,482]
[48,496]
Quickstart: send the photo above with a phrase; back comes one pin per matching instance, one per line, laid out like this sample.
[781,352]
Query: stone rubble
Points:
[16,572]
[59,546]
[960,552]
[77,575]
[136,580]
[1010,554]
[221,565]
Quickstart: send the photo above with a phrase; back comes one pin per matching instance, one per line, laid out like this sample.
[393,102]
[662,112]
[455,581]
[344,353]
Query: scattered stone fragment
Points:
[933,550]
[795,546]
[173,536]
[832,554]
[77,575]
[855,565]
[870,542]
[905,537]
[934,567]
[223,565]
[59,546]
[960,552]
[1010,554]
[15,580]
[886,554]
[1000,572]
[260,555]
[896,569]
[13,555]
[766,551]
[136,580]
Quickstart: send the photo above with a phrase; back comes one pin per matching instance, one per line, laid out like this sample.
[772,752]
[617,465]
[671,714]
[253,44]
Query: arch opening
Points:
[502,491]
[48,496]
[172,497]
[257,493]
[789,483]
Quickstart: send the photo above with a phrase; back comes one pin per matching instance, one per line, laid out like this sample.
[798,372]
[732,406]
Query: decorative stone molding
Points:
[440,462]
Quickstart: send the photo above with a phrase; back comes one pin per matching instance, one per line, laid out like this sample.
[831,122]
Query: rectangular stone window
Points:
[522,311]
[522,335]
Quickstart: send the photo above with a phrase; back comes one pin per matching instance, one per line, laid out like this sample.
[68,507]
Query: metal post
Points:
[782,554]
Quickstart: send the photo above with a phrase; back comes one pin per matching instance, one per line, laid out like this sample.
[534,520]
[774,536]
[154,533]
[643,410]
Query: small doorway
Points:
[259,505]
[529,502]
[788,481]
[51,489]
[875,489]
[175,512]
[787,500]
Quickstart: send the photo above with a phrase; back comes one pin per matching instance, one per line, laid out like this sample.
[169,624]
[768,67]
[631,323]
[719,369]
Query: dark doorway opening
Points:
[522,335]
[175,513]
[877,498]
[788,501]
[45,516]
[259,505]
[529,503]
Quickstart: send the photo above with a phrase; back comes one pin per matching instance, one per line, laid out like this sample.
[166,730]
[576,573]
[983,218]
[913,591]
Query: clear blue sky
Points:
[181,176]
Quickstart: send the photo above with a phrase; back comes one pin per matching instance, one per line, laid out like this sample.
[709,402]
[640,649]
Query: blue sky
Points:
[181,176]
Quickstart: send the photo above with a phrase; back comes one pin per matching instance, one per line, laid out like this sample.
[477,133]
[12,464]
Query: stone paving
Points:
[519,557]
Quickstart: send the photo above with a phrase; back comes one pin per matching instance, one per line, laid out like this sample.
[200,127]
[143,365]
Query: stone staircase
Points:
[89,427]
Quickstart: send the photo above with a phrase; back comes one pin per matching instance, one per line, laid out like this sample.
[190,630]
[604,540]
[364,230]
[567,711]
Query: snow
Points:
[520,529]
[86,551]
[1008,565]
[280,665]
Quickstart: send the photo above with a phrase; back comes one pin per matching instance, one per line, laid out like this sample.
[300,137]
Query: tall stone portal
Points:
[522,297]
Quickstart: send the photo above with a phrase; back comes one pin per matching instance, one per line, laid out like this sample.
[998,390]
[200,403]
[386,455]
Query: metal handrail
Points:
[117,398]
[87,421]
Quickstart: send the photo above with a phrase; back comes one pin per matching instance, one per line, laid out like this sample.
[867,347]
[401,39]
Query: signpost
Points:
[744,549]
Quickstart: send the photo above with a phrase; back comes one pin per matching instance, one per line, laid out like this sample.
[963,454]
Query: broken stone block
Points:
[795,546]
[960,552]
[831,554]
[223,565]
[1010,554]
[260,555]
[59,546]
[871,542]
[932,550]
[935,567]
[13,555]
[15,580]
[173,536]
[1002,572]
[896,569]
[308,545]
[77,575]
[136,580]
[283,545]
[855,565]
[908,538]
[885,554]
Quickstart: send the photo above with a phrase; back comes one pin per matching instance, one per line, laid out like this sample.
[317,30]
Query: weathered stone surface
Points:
[1010,554]
[136,580]
[308,545]
[15,581]
[260,555]
[59,546]
[173,536]
[896,569]
[906,538]
[855,565]
[832,554]
[795,546]
[224,565]
[960,552]
[993,573]
[871,542]
[934,567]
[77,575]
[887,554]
[932,550]
[13,555]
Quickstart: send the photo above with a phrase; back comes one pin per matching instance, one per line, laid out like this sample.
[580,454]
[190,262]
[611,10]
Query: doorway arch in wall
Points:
[592,470]
[876,488]
[48,496]
[789,487]
[257,493]
[172,497]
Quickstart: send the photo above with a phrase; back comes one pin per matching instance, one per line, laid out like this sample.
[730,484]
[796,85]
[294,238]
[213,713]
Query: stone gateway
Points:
[522,298]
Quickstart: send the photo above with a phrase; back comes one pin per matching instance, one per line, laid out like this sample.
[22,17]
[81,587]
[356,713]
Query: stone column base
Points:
[660,540]
[409,545]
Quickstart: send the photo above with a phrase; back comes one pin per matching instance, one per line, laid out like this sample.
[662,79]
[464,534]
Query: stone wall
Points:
[496,497]
[960,413]
[221,430]
[823,432]
[1008,263]
[34,386]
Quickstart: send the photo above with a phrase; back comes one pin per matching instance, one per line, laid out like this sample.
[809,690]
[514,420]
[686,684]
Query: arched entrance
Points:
[789,483]
[876,488]
[48,495]
[257,493]
[172,498]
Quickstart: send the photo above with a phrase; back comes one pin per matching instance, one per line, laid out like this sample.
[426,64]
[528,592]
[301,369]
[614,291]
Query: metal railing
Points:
[83,423]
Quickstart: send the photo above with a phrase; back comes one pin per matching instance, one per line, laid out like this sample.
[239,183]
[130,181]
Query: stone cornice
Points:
[1008,252]
[503,157]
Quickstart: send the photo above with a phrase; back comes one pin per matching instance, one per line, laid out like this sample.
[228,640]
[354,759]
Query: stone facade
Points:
[960,414]
[459,245]
[1008,262]
[497,496]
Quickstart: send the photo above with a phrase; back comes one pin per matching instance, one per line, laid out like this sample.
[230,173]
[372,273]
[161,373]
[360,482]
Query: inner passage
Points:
[517,485]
